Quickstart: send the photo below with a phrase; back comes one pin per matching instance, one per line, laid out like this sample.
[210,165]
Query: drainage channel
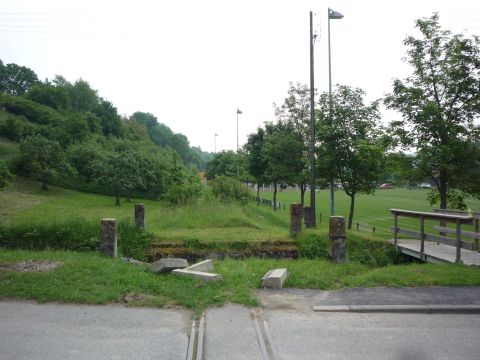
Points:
[262,334]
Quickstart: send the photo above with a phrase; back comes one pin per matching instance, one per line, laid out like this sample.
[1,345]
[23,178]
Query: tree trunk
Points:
[274,196]
[352,209]
[258,194]
[303,188]
[129,195]
[442,190]
[117,197]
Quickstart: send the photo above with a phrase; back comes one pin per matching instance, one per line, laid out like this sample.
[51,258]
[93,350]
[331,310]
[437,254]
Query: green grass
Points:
[205,221]
[370,210]
[89,278]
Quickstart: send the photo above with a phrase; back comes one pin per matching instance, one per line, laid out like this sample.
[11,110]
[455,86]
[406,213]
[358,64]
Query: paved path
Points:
[284,327]
[53,331]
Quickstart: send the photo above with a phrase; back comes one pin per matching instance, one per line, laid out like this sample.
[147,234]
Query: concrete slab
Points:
[205,266]
[274,279]
[230,334]
[198,274]
[84,332]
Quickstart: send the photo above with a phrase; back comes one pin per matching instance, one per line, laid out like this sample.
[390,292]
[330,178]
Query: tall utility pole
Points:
[331,15]
[313,222]
[238,172]
[215,143]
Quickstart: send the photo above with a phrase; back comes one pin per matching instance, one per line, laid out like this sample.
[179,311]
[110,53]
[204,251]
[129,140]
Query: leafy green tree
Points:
[256,163]
[229,189]
[295,111]
[16,80]
[44,159]
[282,152]
[439,103]
[224,163]
[47,94]
[356,140]
[82,96]
[5,176]
[110,121]
[119,171]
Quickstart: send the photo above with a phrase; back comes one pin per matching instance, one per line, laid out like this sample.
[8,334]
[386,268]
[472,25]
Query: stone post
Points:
[108,241]
[140,221]
[295,219]
[307,216]
[336,235]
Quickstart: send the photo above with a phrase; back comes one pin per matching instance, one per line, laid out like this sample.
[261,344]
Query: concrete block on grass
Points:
[167,265]
[206,265]
[198,274]
[274,279]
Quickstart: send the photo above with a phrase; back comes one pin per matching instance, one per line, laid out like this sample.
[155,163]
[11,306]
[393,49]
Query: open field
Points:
[24,201]
[370,210]
[89,278]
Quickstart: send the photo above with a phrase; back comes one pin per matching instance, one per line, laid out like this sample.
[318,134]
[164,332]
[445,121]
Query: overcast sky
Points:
[192,63]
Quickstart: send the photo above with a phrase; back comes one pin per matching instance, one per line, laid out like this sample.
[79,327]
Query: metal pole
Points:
[238,173]
[312,130]
[215,143]
[332,191]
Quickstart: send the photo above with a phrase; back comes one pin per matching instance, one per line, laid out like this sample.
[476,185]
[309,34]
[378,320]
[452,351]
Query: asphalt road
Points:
[53,331]
[284,327]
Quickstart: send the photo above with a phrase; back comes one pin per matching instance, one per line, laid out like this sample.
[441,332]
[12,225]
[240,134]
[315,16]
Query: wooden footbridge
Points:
[439,248]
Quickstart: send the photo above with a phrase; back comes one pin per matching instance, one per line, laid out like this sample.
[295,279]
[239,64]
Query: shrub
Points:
[75,234]
[366,251]
[5,175]
[33,111]
[227,189]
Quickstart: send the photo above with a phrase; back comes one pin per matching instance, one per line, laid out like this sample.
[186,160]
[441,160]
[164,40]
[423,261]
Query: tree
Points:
[83,97]
[295,112]
[282,151]
[439,103]
[119,171]
[256,163]
[224,163]
[16,80]
[348,126]
[5,175]
[47,94]
[44,159]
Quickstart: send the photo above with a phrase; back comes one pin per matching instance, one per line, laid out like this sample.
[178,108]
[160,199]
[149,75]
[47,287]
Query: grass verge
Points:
[89,278]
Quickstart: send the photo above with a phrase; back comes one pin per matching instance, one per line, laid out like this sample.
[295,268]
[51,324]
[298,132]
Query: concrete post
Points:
[336,235]
[307,216]
[108,241]
[296,212]
[140,221]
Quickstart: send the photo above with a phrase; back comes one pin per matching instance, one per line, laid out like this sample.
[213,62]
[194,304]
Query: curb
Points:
[425,309]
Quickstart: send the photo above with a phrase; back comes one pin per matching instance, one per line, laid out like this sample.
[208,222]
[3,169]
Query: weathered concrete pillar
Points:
[108,241]
[140,221]
[307,216]
[336,235]
[296,212]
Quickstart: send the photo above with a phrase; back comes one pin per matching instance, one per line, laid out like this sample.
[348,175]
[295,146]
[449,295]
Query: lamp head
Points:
[334,14]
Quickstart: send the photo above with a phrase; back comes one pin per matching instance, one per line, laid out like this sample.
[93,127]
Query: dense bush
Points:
[5,175]
[75,234]
[226,189]
[363,250]
[33,111]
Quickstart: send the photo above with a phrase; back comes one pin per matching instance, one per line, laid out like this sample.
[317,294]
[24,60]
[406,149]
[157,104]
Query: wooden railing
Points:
[457,219]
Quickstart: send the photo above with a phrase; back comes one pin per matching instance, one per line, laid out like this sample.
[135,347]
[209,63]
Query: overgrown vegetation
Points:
[76,234]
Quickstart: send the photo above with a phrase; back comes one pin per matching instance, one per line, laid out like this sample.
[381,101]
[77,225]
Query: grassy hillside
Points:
[25,201]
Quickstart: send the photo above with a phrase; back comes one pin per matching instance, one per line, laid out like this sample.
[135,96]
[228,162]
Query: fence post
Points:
[395,229]
[108,242]
[140,221]
[459,241]
[373,229]
[336,236]
[295,219]
[477,230]
[358,227]
[422,238]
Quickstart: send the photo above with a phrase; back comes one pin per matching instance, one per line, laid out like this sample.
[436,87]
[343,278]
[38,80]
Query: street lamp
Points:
[238,112]
[331,15]
[215,143]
